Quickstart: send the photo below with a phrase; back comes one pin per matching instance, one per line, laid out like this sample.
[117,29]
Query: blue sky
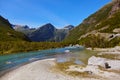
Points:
[60,13]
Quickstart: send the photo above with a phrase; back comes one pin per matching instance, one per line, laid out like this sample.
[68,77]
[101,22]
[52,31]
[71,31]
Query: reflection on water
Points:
[77,61]
[67,56]
[77,57]
[33,59]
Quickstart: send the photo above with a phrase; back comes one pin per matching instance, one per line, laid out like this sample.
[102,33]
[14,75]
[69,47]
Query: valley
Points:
[88,51]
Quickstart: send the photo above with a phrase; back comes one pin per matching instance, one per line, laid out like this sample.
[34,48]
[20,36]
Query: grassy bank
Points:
[10,47]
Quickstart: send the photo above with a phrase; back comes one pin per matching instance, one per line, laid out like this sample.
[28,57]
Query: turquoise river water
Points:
[8,62]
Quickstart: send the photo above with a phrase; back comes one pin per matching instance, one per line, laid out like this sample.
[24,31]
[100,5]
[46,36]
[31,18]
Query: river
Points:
[9,62]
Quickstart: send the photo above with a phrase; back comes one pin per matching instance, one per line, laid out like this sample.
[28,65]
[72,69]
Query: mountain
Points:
[60,34]
[7,33]
[23,28]
[48,32]
[12,41]
[69,27]
[101,29]
[44,33]
[20,27]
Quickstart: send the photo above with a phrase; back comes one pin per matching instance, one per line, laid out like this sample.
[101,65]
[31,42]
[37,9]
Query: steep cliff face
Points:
[100,26]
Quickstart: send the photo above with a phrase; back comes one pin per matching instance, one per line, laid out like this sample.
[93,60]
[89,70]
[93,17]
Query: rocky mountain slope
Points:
[60,34]
[48,32]
[44,33]
[7,33]
[69,27]
[100,29]
[12,41]
[23,28]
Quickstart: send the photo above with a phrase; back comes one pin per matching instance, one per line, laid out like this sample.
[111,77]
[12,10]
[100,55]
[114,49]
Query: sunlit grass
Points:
[81,74]
[85,55]
[110,56]
[63,67]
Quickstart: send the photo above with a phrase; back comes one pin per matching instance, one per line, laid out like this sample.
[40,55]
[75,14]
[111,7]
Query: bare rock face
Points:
[115,1]
[116,6]
[69,27]
[91,20]
[117,30]
[96,61]
[44,33]
[48,32]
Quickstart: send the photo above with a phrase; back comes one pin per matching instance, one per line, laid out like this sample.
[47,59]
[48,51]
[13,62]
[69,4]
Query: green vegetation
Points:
[98,41]
[81,74]
[105,17]
[62,67]
[89,24]
[110,56]
[23,46]
[8,34]
[112,22]
[114,42]
[93,41]
[13,42]
[85,55]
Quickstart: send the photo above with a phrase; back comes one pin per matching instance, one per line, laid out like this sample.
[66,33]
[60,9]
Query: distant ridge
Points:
[47,32]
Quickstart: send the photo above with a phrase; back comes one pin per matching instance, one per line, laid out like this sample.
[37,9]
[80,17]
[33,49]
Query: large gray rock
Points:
[117,30]
[97,61]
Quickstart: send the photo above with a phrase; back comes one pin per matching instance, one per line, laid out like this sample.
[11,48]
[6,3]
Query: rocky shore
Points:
[105,65]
